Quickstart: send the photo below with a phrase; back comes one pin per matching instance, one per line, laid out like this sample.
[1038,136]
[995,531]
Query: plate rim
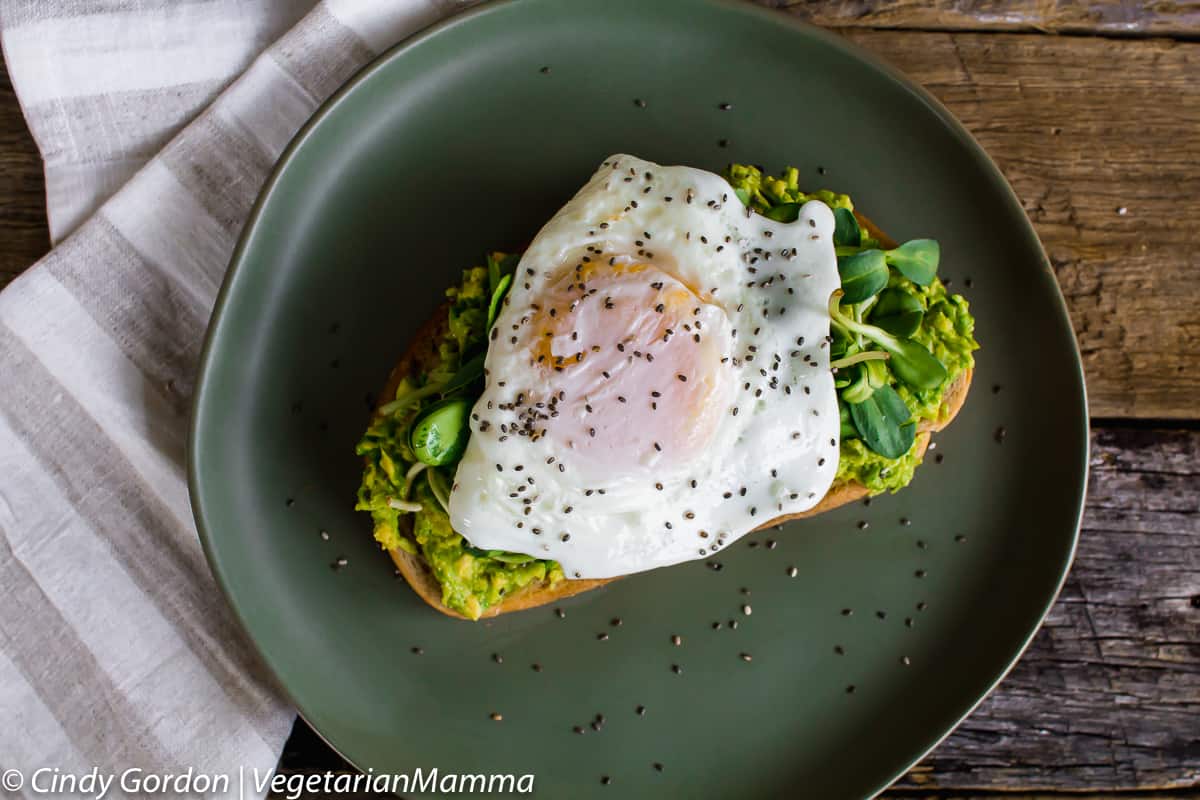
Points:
[774,16]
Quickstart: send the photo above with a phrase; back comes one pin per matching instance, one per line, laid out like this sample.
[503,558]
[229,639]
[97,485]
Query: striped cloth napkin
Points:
[158,121]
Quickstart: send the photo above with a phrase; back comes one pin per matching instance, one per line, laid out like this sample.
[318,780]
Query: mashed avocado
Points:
[764,192]
[470,582]
[471,579]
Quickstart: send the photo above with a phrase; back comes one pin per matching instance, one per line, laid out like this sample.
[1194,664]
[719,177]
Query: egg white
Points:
[768,445]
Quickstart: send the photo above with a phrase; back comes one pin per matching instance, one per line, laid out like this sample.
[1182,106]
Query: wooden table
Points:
[1093,112]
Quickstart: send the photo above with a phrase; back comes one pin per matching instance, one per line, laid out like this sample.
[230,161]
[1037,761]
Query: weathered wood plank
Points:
[1123,18]
[22,191]
[1108,695]
[1101,141]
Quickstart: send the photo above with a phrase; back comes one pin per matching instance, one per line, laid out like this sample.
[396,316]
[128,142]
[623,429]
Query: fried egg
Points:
[657,380]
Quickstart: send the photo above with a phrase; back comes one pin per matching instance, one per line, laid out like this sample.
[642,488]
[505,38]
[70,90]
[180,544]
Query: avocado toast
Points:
[407,498]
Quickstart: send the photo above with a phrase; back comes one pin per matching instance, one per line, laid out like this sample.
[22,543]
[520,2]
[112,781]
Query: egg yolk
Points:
[635,367]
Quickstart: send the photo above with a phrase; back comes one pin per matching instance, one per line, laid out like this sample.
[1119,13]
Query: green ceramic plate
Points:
[457,142]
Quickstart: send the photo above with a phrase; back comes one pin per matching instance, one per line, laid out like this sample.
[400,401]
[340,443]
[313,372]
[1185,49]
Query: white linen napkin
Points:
[158,121]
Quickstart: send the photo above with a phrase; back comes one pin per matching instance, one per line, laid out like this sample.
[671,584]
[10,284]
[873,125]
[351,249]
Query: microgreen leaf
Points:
[863,275]
[497,296]
[898,312]
[884,422]
[913,364]
[916,260]
[439,435]
[846,232]
[910,361]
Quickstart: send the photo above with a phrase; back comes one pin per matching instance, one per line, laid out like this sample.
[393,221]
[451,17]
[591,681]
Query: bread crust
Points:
[422,349]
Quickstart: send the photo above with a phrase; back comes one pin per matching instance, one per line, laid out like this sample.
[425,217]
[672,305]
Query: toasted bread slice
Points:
[422,351]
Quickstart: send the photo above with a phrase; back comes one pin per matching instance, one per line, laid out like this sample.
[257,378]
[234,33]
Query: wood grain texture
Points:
[1119,18]
[1108,694]
[1101,141]
[22,190]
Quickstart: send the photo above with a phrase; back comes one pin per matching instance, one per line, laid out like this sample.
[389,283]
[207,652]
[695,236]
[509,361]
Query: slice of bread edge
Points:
[423,350]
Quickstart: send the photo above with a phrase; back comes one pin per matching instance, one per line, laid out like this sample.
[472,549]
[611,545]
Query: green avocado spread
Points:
[407,498]
[471,579]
